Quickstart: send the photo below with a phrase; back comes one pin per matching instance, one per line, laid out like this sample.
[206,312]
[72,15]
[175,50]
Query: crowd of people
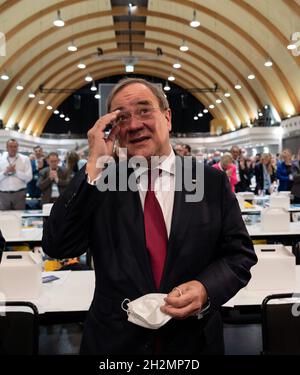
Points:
[38,176]
[263,173]
[44,177]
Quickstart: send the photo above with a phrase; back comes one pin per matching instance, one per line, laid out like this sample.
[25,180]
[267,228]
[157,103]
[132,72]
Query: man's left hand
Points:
[185,300]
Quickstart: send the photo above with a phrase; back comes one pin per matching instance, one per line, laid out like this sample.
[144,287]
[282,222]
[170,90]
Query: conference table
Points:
[68,298]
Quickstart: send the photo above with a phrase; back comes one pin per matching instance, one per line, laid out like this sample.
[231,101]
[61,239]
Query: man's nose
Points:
[135,123]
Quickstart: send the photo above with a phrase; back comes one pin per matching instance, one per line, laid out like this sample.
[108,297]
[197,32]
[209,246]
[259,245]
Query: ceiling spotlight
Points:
[41,102]
[177,65]
[237,86]
[19,87]
[184,47]
[67,119]
[291,46]
[4,76]
[56,112]
[167,87]
[88,78]
[200,114]
[251,76]
[49,107]
[72,47]
[129,68]
[195,118]
[31,95]
[211,106]
[268,63]
[260,114]
[205,110]
[97,96]
[218,101]
[227,94]
[61,115]
[58,22]
[93,87]
[81,65]
[194,22]
[171,77]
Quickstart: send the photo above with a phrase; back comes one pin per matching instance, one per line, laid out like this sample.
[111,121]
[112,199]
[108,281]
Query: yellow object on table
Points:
[52,265]
[248,205]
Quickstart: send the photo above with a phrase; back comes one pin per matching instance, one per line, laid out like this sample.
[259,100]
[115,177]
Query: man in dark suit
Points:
[202,254]
[52,179]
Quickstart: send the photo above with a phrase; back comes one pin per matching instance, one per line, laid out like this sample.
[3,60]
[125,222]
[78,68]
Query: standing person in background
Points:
[265,175]
[15,173]
[296,179]
[284,171]
[52,179]
[72,163]
[236,153]
[226,165]
[38,162]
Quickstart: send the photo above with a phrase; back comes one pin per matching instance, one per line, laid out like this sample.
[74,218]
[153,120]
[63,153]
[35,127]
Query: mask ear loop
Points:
[126,300]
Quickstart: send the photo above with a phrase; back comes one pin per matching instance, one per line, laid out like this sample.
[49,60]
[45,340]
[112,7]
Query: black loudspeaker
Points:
[77,101]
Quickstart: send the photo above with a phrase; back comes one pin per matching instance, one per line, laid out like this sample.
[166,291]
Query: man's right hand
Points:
[99,145]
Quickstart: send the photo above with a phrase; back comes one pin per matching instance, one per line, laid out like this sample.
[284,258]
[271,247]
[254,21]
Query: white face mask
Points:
[145,311]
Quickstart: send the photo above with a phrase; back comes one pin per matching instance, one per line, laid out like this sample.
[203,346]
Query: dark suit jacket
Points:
[208,242]
[259,176]
[45,183]
[296,181]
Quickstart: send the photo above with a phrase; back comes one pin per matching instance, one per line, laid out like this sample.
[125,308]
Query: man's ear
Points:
[168,116]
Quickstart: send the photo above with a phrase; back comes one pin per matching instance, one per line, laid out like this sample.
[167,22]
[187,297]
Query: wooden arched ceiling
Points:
[235,39]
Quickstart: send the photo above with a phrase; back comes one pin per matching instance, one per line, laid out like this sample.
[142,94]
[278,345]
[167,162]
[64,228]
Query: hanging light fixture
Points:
[67,119]
[195,117]
[41,102]
[184,47]
[56,112]
[19,86]
[93,87]
[177,65]
[81,65]
[61,115]
[205,110]
[171,77]
[237,86]
[219,101]
[72,47]
[88,78]
[4,76]
[211,106]
[227,94]
[58,22]
[167,87]
[194,22]
[268,62]
[251,76]
[31,95]
[97,96]
[49,107]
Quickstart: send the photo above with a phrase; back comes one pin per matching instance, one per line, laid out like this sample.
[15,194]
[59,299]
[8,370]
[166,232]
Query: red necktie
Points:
[155,229]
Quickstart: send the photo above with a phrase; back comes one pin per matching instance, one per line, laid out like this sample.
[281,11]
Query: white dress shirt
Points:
[18,180]
[164,187]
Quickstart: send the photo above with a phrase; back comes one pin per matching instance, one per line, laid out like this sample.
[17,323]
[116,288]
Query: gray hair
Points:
[156,90]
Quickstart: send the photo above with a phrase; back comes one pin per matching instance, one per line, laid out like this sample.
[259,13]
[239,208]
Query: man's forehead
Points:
[134,94]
